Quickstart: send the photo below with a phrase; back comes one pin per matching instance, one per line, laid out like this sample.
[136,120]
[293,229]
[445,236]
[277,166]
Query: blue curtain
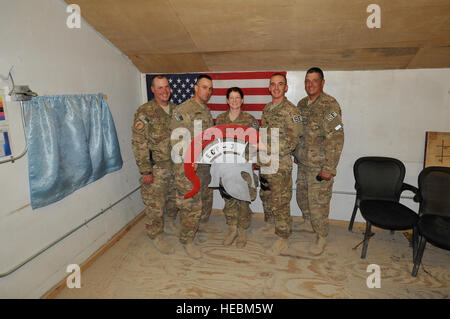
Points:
[72,141]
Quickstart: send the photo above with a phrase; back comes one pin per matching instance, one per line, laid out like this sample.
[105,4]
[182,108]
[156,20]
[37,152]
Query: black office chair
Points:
[434,211]
[379,184]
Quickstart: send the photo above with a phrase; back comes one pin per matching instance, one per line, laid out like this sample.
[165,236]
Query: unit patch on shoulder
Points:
[297,119]
[331,116]
[139,125]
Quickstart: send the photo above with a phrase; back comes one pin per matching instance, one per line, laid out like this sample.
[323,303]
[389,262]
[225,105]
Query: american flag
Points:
[254,85]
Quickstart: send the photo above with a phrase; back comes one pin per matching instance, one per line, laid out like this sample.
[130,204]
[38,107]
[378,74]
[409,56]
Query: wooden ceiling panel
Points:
[431,58]
[297,24]
[169,63]
[138,26]
[215,35]
[441,36]
[330,59]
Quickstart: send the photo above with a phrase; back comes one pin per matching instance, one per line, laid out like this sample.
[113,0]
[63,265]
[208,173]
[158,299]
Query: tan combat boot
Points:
[318,246]
[192,250]
[162,246]
[304,226]
[232,233]
[278,247]
[242,238]
[170,226]
[268,228]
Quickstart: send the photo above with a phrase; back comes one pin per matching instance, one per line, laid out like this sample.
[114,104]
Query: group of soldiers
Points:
[312,132]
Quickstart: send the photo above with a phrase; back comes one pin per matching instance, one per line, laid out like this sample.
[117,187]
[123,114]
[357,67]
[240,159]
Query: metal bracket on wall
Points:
[19,93]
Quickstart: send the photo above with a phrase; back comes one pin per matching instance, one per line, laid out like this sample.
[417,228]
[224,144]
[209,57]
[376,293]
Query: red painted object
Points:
[207,137]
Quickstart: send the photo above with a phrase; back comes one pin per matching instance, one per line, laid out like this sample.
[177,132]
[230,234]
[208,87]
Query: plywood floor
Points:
[133,268]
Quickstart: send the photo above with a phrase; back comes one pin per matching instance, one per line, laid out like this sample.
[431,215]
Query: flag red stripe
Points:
[243,75]
[245,107]
[247,91]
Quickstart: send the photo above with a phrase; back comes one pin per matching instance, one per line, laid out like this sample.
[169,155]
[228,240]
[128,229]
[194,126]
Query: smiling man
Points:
[317,156]
[150,143]
[194,211]
[276,188]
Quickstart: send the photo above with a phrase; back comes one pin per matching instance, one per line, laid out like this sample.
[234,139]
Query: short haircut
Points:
[203,76]
[235,89]
[316,70]
[160,76]
[279,74]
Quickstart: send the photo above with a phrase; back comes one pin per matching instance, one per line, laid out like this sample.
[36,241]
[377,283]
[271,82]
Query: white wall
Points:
[53,59]
[385,113]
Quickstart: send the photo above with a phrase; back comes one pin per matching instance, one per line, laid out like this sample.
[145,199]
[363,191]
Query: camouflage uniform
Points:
[237,212]
[319,150]
[276,201]
[150,143]
[200,205]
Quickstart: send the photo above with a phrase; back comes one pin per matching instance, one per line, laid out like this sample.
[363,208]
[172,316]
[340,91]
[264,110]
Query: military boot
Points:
[162,246]
[232,233]
[192,250]
[318,246]
[242,238]
[170,226]
[304,226]
[268,228]
[278,247]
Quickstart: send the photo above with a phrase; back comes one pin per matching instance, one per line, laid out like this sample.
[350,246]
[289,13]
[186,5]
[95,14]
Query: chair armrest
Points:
[408,187]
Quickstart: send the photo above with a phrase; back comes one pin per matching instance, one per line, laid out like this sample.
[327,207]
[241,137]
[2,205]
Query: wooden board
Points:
[197,36]
[437,149]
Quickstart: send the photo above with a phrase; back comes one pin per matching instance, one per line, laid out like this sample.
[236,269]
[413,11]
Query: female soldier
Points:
[237,212]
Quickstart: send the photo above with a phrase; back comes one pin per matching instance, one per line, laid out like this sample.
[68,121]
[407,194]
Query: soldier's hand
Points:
[195,166]
[325,176]
[295,160]
[147,179]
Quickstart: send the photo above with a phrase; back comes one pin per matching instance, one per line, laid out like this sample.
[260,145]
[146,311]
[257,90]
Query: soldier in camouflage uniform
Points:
[237,212]
[317,156]
[281,114]
[194,209]
[150,143]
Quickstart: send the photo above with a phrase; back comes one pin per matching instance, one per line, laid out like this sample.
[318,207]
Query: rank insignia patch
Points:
[331,116]
[297,119]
